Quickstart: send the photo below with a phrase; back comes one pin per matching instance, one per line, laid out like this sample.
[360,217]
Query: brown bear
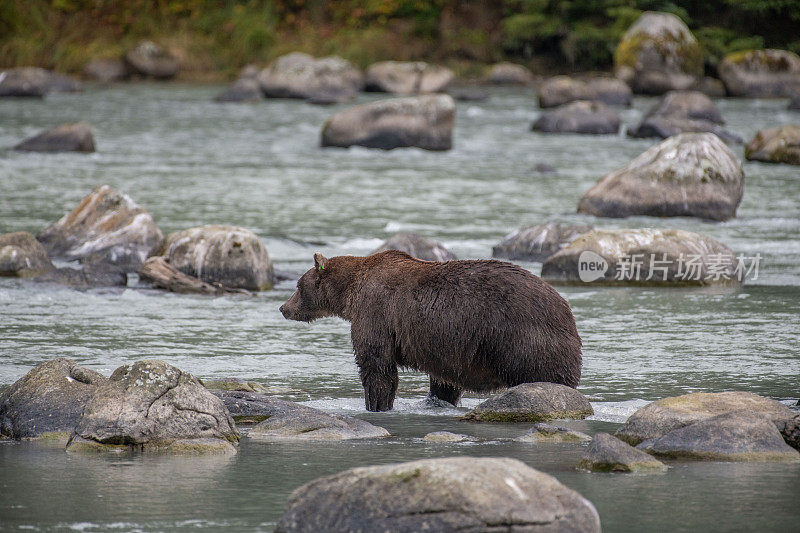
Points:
[474,325]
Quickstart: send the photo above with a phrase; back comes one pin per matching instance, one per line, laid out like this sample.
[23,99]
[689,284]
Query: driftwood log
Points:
[161,274]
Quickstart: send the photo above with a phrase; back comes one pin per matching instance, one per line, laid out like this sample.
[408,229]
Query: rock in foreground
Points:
[537,243]
[47,402]
[73,137]
[776,145]
[451,494]
[691,174]
[532,402]
[761,73]
[106,223]
[424,122]
[609,454]
[593,118]
[153,406]
[403,77]
[416,246]
[298,75]
[21,255]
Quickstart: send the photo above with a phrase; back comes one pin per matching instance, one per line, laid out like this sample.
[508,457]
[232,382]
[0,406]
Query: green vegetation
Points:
[213,38]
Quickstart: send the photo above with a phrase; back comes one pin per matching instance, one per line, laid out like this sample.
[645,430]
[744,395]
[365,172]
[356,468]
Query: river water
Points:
[192,162]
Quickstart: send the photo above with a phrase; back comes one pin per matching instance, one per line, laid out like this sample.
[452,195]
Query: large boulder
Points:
[761,73]
[298,75]
[687,104]
[106,223]
[642,257]
[35,82]
[422,121]
[532,402]
[47,402]
[560,90]
[449,494]
[583,116]
[657,54]
[416,246]
[305,423]
[691,174]
[663,416]
[21,255]
[537,243]
[153,406]
[775,145]
[106,70]
[230,256]
[72,137]
[151,61]
[609,454]
[736,436]
[510,74]
[242,90]
[400,77]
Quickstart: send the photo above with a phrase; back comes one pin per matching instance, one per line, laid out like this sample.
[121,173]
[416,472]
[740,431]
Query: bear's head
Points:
[311,299]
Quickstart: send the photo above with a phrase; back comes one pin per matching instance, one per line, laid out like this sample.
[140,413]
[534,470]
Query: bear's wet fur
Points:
[470,325]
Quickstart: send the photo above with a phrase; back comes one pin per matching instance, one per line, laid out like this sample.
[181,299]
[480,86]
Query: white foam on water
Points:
[361,244]
[616,411]
[416,406]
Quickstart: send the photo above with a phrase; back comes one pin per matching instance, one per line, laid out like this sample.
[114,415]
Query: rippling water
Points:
[192,162]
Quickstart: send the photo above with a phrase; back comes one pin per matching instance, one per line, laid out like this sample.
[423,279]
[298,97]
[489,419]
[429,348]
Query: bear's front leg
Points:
[380,387]
[444,391]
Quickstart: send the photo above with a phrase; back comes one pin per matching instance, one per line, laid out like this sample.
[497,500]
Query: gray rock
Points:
[711,87]
[305,423]
[423,121]
[579,117]
[532,402]
[663,416]
[253,407]
[61,83]
[406,78]
[761,73]
[231,256]
[662,127]
[108,224]
[416,246]
[235,384]
[510,74]
[21,255]
[151,61]
[450,494]
[610,91]
[642,257]
[446,436]
[249,71]
[106,70]
[735,436]
[775,145]
[537,243]
[47,402]
[89,276]
[687,104]
[560,90]
[35,82]
[794,104]
[657,54]
[72,137]
[153,406]
[691,174]
[609,454]
[468,93]
[242,90]
[548,433]
[324,80]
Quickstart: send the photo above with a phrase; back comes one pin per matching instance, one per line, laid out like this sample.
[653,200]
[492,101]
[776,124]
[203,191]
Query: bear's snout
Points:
[282,310]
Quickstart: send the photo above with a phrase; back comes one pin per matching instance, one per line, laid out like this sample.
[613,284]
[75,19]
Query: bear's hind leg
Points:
[444,391]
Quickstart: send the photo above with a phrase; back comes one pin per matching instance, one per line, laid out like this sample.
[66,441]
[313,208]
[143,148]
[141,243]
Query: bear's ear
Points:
[319,262]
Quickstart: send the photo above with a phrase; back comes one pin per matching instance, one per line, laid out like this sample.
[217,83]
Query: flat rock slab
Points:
[305,423]
[47,402]
[416,246]
[537,243]
[72,137]
[607,453]
[446,436]
[451,494]
[548,433]
[532,402]
[735,436]
[21,255]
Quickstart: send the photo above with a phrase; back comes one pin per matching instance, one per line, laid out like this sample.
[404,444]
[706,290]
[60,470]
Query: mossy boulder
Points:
[150,60]
[775,145]
[537,243]
[235,384]
[585,117]
[609,454]
[691,174]
[298,75]
[449,494]
[761,73]
[510,74]
[542,432]
[72,137]
[47,402]
[657,54]
[407,77]
[21,255]
[532,402]
[416,246]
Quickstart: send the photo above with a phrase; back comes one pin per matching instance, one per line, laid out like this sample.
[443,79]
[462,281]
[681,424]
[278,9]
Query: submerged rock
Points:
[305,423]
[106,223]
[775,145]
[761,73]
[642,257]
[657,54]
[72,137]
[548,433]
[242,90]
[89,276]
[298,75]
[153,406]
[151,61]
[446,436]
[449,494]
[21,255]
[416,246]
[537,243]
[402,77]
[532,402]
[231,256]
[609,454]
[468,93]
[423,121]
[579,117]
[560,90]
[510,74]
[691,174]
[47,402]
[106,70]
[235,384]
